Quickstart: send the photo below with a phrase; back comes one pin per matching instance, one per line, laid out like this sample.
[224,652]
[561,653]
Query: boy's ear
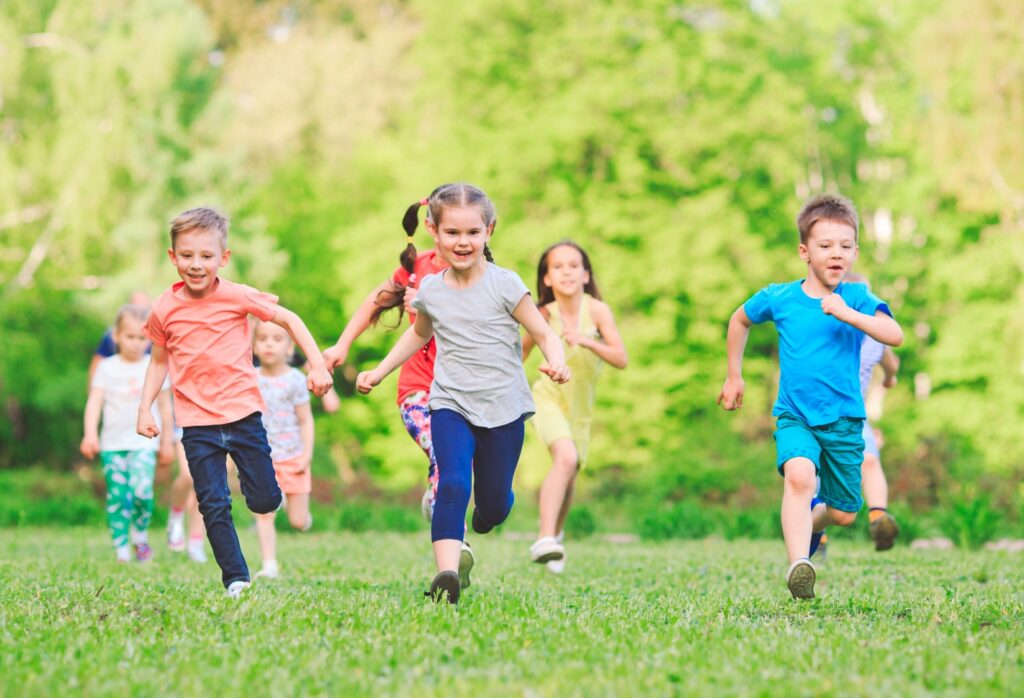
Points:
[225,257]
[170,254]
[802,249]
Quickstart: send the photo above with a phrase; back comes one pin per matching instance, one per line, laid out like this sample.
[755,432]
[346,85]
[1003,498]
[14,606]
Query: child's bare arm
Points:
[890,365]
[357,324]
[304,414]
[156,374]
[411,341]
[528,342]
[609,345]
[879,326]
[319,379]
[527,315]
[731,395]
[163,406]
[90,445]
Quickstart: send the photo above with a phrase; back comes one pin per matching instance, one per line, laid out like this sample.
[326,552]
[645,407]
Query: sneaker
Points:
[466,561]
[884,530]
[445,587]
[236,588]
[801,578]
[479,525]
[123,553]
[270,570]
[427,503]
[143,553]
[197,551]
[556,566]
[309,523]
[546,549]
[176,534]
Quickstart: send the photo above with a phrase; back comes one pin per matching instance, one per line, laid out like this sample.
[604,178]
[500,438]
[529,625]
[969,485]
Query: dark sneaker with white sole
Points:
[445,587]
[800,579]
[466,561]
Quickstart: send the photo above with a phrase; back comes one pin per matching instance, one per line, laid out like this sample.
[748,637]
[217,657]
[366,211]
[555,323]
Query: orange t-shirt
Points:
[209,351]
[417,373]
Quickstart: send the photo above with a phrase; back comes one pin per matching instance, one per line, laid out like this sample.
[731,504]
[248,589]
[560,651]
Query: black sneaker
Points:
[479,525]
[445,585]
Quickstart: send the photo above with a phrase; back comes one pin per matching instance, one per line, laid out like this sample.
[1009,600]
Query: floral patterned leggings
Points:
[416,417]
[129,476]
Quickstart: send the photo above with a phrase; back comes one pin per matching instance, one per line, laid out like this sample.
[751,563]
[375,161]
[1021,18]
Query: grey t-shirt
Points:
[479,369]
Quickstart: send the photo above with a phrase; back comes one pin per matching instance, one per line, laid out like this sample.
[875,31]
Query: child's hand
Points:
[889,380]
[302,464]
[146,426]
[319,381]
[90,446]
[366,381]
[572,336]
[334,357]
[731,397]
[559,373]
[410,294]
[834,305]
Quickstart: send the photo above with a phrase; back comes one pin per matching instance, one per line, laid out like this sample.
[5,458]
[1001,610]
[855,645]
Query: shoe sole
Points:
[801,582]
[466,561]
[445,587]
[549,557]
[884,533]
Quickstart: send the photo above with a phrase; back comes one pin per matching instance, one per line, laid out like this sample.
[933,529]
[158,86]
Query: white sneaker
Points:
[123,553]
[270,570]
[557,566]
[197,551]
[176,533]
[800,579]
[427,503]
[546,549]
[236,588]
[560,537]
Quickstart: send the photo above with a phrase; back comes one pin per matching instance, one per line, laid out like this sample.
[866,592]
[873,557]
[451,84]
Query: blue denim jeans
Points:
[207,448]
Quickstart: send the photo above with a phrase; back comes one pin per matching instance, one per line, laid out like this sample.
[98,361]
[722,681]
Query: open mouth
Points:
[835,267]
[463,255]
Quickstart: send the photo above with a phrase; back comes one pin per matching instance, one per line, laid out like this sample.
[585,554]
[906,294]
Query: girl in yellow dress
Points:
[569,300]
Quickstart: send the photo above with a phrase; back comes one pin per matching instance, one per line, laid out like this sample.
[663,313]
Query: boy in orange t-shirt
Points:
[200,331]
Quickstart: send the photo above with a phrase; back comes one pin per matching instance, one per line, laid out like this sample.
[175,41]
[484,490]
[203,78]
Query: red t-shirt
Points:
[418,372]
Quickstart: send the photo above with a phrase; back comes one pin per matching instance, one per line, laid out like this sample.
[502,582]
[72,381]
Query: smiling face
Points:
[198,254]
[566,272]
[460,236]
[130,339]
[272,345]
[830,251]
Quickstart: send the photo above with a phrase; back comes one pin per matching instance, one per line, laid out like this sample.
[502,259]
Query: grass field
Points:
[348,617]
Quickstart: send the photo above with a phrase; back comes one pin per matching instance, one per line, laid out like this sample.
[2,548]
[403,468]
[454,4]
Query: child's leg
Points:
[141,469]
[454,445]
[298,511]
[796,506]
[556,491]
[494,465]
[183,497]
[267,535]
[207,454]
[250,450]
[115,472]
[876,489]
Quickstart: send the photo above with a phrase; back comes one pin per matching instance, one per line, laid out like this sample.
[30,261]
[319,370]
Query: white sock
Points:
[175,517]
[124,553]
[138,537]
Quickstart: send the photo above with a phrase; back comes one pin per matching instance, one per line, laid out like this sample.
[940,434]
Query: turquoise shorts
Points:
[837,451]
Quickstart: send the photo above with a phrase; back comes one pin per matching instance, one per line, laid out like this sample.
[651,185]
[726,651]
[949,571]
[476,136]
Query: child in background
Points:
[821,322]
[184,501]
[200,332]
[479,399]
[129,460]
[569,300]
[289,423]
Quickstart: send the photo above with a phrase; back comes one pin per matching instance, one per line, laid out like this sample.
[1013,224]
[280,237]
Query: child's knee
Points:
[842,518]
[453,489]
[800,475]
[298,519]
[264,504]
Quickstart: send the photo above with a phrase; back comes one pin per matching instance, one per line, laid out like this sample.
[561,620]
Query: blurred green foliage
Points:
[675,141]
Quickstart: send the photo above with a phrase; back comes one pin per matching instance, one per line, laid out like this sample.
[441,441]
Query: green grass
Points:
[348,618]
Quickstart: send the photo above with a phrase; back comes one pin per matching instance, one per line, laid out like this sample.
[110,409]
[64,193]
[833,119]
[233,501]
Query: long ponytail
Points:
[395,297]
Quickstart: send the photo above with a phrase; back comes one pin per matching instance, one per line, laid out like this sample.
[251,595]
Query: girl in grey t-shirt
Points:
[480,398]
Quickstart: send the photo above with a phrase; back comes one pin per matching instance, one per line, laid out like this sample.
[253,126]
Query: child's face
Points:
[272,344]
[566,274]
[830,251]
[131,341]
[198,255]
[460,235]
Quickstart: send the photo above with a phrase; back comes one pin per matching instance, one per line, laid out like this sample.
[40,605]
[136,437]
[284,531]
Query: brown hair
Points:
[459,195]
[132,310]
[200,219]
[545,294]
[830,207]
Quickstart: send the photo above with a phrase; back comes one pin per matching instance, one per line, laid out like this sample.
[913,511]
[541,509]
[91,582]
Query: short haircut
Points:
[131,310]
[830,207]
[200,219]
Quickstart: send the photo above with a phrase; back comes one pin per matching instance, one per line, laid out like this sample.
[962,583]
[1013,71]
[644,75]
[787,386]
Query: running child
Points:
[570,301]
[289,423]
[821,322]
[479,398]
[200,332]
[129,460]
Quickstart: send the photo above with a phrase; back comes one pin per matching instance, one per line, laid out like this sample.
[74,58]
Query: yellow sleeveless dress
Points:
[564,411]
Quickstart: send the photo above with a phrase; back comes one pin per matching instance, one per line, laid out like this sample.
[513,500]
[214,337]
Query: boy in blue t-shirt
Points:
[821,322]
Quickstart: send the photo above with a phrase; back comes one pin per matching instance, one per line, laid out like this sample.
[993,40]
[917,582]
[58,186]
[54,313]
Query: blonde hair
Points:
[830,207]
[200,219]
[137,312]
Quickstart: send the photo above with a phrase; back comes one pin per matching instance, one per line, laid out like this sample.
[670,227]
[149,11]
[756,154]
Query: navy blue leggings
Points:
[461,449]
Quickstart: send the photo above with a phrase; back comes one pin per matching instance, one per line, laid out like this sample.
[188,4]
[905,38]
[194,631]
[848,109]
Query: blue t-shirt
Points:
[819,356]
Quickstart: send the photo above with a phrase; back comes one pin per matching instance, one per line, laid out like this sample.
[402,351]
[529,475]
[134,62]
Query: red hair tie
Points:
[424,202]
